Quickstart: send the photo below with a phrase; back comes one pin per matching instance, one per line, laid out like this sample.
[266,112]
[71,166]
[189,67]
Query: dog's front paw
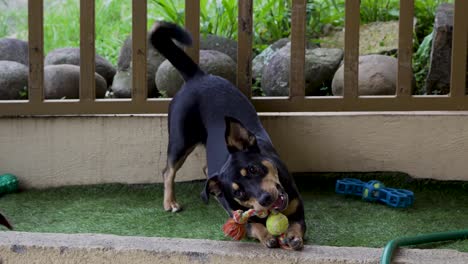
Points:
[270,242]
[259,231]
[172,206]
[294,237]
[295,243]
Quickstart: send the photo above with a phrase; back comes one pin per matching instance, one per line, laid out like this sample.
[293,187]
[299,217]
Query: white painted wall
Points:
[56,151]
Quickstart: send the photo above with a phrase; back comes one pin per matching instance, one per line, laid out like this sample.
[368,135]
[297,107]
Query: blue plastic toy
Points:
[375,191]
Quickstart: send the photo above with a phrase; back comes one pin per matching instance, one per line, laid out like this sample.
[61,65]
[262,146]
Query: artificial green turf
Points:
[332,219]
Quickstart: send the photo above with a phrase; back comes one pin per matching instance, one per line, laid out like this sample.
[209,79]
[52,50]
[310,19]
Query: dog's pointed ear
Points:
[238,138]
[4,221]
[212,187]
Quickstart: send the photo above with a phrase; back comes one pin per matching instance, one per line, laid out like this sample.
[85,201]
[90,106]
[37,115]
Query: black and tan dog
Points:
[244,170]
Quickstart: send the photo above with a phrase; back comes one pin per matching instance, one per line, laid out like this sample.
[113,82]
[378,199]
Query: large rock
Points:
[221,44]
[265,56]
[262,59]
[63,82]
[374,38]
[72,56]
[320,66]
[14,50]
[438,78]
[377,76]
[169,81]
[13,80]
[122,84]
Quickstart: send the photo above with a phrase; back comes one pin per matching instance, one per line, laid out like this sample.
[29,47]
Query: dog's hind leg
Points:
[185,133]
[174,162]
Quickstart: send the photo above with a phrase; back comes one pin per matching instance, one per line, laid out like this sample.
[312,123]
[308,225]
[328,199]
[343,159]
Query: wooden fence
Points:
[403,100]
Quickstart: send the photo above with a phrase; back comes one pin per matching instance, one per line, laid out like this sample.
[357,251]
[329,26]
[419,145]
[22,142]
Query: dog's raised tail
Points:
[162,36]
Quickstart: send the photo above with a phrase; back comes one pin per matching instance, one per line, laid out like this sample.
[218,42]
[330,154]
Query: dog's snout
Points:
[265,199]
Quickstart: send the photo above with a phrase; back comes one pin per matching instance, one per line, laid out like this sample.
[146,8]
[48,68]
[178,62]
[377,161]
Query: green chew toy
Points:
[8,184]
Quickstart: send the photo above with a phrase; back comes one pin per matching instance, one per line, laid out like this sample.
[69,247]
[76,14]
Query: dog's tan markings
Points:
[260,232]
[214,188]
[295,236]
[235,186]
[170,203]
[169,173]
[239,137]
[272,173]
[233,143]
[251,203]
[271,179]
[292,207]
[296,230]
[243,172]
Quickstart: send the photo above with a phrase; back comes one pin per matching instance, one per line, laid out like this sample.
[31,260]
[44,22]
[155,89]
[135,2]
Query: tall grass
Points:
[14,24]
[379,10]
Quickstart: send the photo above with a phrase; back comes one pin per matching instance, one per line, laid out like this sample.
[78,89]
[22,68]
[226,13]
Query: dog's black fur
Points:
[244,170]
[4,221]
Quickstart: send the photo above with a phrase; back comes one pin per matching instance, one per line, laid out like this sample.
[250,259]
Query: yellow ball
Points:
[277,224]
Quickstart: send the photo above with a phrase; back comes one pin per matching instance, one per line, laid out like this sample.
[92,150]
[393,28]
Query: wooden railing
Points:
[403,100]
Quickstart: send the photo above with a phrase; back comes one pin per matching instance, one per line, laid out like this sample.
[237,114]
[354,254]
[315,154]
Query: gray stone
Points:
[63,82]
[125,56]
[221,44]
[169,81]
[14,50]
[72,56]
[377,76]
[13,80]
[122,83]
[265,56]
[438,77]
[262,59]
[320,66]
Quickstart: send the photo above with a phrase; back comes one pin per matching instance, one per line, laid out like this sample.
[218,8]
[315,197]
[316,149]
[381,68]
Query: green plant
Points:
[272,21]
[379,10]
[171,9]
[325,12]
[219,18]
[61,24]
[216,17]
[421,61]
[14,24]
[425,13]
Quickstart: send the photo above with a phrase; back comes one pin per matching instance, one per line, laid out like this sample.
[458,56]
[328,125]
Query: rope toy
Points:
[277,225]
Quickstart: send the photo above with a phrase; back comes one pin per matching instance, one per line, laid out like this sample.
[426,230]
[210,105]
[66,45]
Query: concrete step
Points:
[20,247]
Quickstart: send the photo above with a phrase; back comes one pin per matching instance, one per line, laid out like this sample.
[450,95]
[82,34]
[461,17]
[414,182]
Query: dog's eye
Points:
[239,193]
[252,169]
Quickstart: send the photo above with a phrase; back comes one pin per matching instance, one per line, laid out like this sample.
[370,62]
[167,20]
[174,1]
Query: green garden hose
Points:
[421,239]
